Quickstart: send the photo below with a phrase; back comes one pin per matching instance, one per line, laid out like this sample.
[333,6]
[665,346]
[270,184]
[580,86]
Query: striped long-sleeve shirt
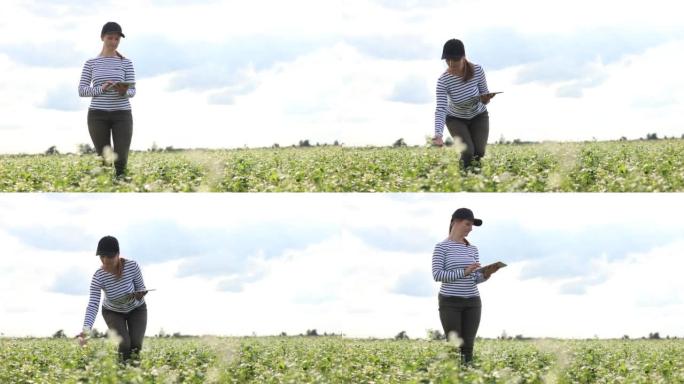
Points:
[459,99]
[117,291]
[101,69]
[449,261]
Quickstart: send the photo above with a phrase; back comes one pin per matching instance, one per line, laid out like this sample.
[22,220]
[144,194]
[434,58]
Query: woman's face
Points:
[456,64]
[110,263]
[111,40]
[462,227]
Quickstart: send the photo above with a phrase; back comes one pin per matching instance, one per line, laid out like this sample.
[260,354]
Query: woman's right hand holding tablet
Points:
[121,88]
[487,272]
[486,97]
[471,268]
[106,85]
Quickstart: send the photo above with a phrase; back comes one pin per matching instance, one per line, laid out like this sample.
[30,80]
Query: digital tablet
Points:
[496,265]
[145,291]
[129,83]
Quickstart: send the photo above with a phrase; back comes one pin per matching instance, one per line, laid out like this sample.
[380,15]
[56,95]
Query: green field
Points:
[340,360]
[631,166]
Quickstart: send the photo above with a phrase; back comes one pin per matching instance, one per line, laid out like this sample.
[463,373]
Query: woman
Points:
[110,111]
[462,96]
[455,264]
[123,308]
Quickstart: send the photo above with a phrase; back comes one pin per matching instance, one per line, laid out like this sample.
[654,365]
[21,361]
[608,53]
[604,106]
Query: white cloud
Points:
[624,304]
[345,282]
[336,87]
[413,89]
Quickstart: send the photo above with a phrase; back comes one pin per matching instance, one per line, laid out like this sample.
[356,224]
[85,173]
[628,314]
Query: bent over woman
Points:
[124,308]
[462,95]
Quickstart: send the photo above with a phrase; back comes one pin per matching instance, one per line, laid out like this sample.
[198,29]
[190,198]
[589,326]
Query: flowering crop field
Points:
[632,166]
[342,360]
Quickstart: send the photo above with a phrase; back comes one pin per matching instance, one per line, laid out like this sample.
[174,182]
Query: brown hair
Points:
[469,71]
[451,225]
[120,267]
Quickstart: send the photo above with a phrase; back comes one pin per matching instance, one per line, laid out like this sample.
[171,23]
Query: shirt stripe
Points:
[101,69]
[459,99]
[116,291]
[449,261]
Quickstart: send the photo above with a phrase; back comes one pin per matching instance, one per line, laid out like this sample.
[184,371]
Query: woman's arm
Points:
[138,282]
[93,304]
[439,273]
[85,88]
[482,83]
[130,76]
[441,109]
[478,276]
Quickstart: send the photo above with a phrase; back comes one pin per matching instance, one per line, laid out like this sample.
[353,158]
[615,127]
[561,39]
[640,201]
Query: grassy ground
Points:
[635,166]
[338,360]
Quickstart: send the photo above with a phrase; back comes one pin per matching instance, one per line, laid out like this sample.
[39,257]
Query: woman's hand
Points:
[437,141]
[485,98]
[82,340]
[121,88]
[487,272]
[106,85]
[137,295]
[471,268]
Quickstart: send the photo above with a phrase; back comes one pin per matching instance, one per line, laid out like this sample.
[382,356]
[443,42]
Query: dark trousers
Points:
[474,134]
[105,126]
[130,327]
[461,315]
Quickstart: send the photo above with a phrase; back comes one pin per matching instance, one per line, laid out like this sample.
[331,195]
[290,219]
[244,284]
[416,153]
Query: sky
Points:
[579,265]
[227,74]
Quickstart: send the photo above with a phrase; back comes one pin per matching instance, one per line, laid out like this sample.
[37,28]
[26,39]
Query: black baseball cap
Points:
[108,246]
[466,214]
[111,27]
[453,49]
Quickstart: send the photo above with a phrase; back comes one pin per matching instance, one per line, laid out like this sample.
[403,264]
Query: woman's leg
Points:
[479,132]
[116,322]
[471,322]
[137,323]
[99,128]
[450,315]
[451,322]
[459,128]
[122,133]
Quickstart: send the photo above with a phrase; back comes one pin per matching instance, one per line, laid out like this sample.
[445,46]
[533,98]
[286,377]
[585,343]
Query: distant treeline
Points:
[432,334]
[86,149]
